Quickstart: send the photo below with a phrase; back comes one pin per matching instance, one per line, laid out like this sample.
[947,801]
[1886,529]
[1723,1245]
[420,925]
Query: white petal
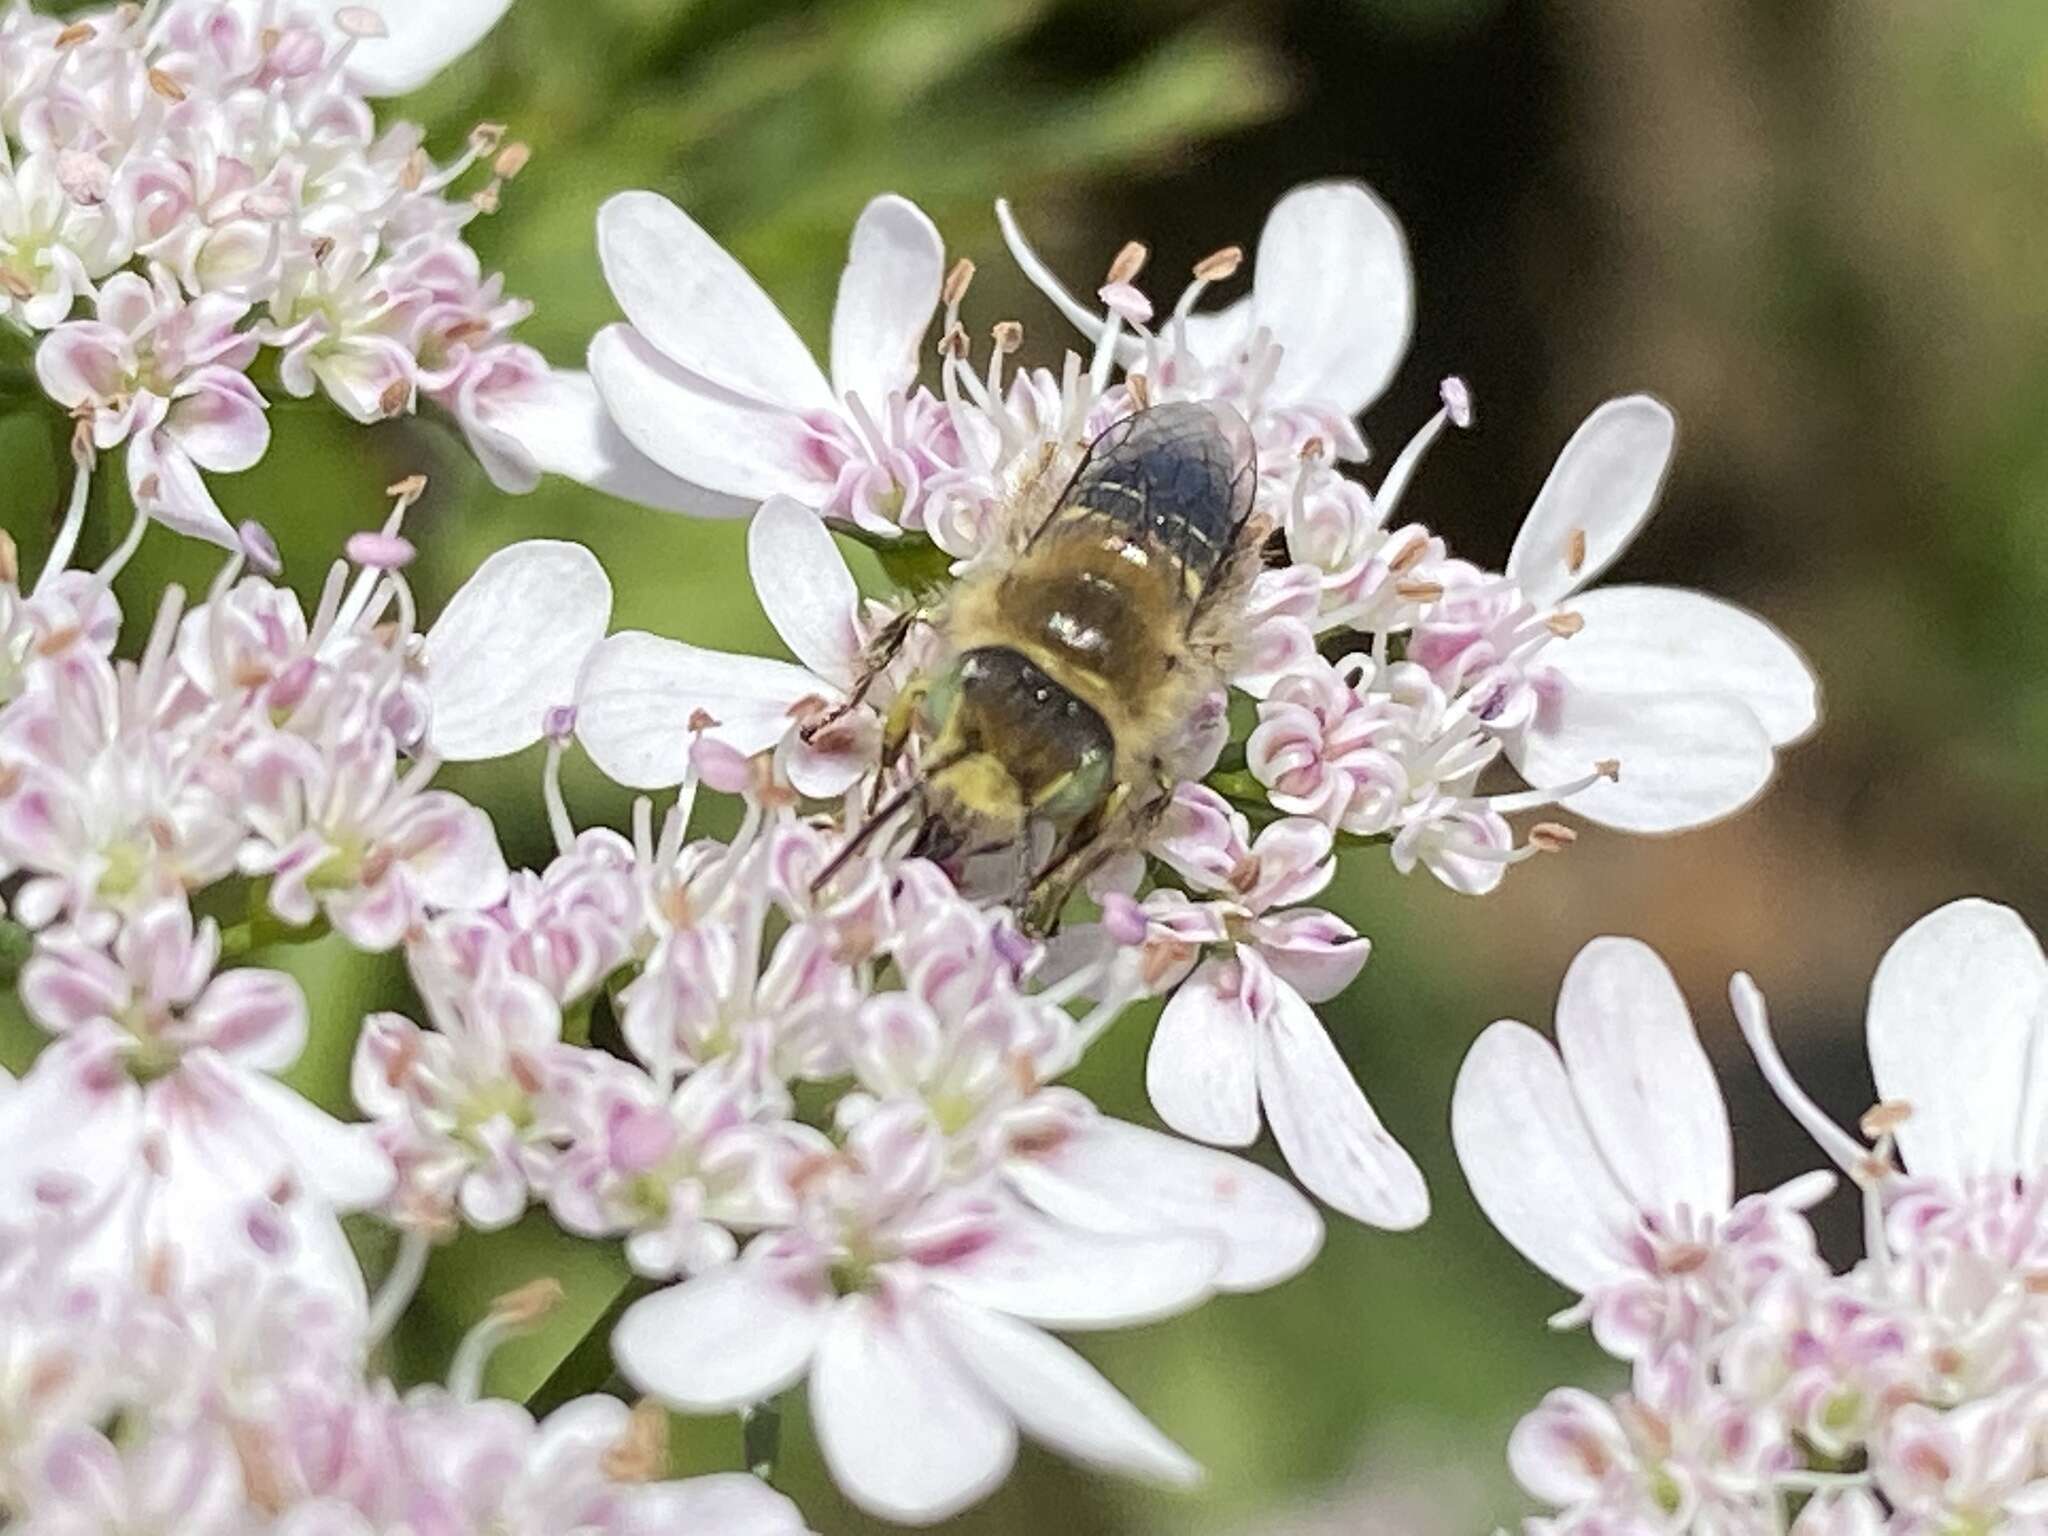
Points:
[805,587]
[1686,760]
[1642,1079]
[339,1163]
[1661,640]
[1531,1161]
[733,1336]
[1956,1030]
[1328,1132]
[693,428]
[729,1503]
[1202,1071]
[639,693]
[894,265]
[421,39]
[563,425]
[1111,1176]
[696,304]
[1602,486]
[1060,1398]
[1047,1272]
[907,1434]
[1332,286]
[510,645]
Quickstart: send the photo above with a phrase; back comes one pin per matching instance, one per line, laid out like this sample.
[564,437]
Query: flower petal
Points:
[640,692]
[1958,1028]
[694,303]
[693,428]
[339,1163]
[1686,760]
[1058,1397]
[1328,1132]
[1047,1272]
[562,425]
[731,1337]
[907,1434]
[1202,1071]
[1661,640]
[805,588]
[730,1503]
[1111,1176]
[1602,488]
[419,42]
[510,646]
[887,293]
[1642,1079]
[1531,1161]
[1332,286]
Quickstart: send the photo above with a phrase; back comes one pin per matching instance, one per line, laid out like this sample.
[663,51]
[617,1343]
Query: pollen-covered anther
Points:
[1884,1118]
[640,1455]
[1218,265]
[1457,398]
[10,558]
[1565,625]
[1141,390]
[165,85]
[1314,450]
[413,174]
[484,138]
[17,286]
[323,247]
[360,21]
[954,343]
[529,1303]
[485,199]
[1419,591]
[1127,264]
[1551,837]
[1609,768]
[512,159]
[78,32]
[1575,551]
[958,279]
[701,720]
[396,396]
[1006,336]
[406,491]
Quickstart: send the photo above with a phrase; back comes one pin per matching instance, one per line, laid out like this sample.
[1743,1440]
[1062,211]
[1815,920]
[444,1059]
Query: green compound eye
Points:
[1075,793]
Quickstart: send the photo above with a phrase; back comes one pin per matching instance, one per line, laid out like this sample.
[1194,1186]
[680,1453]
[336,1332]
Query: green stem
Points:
[263,928]
[761,1438]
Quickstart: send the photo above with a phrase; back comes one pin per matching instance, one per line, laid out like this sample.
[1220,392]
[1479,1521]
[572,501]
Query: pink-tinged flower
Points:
[338,831]
[460,1107]
[66,611]
[1239,1033]
[415,42]
[84,1485]
[159,988]
[1977,1467]
[54,243]
[709,381]
[1613,1169]
[1692,695]
[1319,336]
[1675,1455]
[676,1170]
[911,1308]
[163,375]
[644,700]
[338,324]
[510,645]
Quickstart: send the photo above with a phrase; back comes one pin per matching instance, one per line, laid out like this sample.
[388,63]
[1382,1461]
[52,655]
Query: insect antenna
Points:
[877,819]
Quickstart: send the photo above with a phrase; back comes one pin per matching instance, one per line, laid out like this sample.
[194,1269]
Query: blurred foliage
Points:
[1817,229]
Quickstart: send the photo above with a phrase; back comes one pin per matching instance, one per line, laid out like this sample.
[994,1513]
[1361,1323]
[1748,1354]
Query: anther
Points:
[397,394]
[485,199]
[408,490]
[957,281]
[512,159]
[954,343]
[360,21]
[1575,551]
[259,547]
[413,174]
[1217,265]
[1141,391]
[1884,1118]
[1551,837]
[165,85]
[1457,399]
[10,559]
[640,1455]
[1609,768]
[1129,262]
[1409,557]
[1006,336]
[1313,450]
[1565,625]
[486,137]
[78,32]
[1419,591]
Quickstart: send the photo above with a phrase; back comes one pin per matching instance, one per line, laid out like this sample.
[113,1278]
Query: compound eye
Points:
[1078,791]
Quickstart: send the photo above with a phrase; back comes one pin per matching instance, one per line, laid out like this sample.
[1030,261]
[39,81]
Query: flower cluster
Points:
[1908,1394]
[198,206]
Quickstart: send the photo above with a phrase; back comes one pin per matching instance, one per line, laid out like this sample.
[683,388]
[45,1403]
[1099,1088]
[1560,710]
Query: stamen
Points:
[1456,411]
[1564,625]
[1754,1019]
[1551,837]
[958,280]
[1575,551]
[401,1284]
[1218,265]
[260,547]
[1127,264]
[511,1314]
[559,728]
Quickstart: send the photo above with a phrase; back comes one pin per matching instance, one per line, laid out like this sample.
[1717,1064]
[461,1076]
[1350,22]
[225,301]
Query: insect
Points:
[1054,720]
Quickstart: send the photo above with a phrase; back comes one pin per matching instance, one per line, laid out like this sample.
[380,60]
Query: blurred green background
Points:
[1816,228]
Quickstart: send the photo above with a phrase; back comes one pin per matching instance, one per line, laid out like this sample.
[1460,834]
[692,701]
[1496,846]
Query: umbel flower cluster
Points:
[812,1086]
[199,214]
[1767,1393]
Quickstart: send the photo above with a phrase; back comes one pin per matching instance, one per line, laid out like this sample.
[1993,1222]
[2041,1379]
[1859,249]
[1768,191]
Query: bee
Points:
[1054,718]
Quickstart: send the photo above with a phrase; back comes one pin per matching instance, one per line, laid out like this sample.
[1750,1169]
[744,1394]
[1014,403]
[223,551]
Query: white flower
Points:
[1691,695]
[410,43]
[1613,1168]
[709,380]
